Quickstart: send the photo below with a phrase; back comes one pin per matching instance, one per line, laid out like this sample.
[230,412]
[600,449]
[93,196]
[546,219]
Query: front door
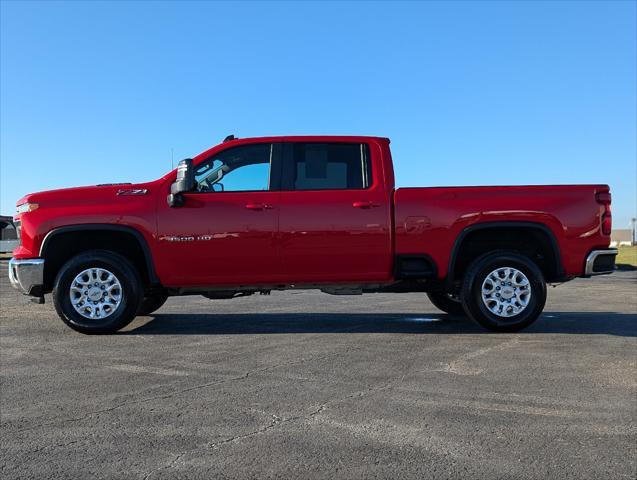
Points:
[226,231]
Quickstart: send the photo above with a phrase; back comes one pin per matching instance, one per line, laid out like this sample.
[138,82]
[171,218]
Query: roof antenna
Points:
[229,138]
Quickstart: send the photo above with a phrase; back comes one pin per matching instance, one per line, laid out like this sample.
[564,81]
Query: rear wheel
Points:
[503,291]
[97,292]
[447,302]
[152,302]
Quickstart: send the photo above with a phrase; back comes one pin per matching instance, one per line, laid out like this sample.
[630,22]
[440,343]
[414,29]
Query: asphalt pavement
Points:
[307,385]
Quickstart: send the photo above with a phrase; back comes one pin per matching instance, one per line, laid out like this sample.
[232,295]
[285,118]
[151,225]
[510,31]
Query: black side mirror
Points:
[185,182]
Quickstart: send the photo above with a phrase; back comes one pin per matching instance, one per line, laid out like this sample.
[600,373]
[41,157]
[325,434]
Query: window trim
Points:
[274,174]
[289,167]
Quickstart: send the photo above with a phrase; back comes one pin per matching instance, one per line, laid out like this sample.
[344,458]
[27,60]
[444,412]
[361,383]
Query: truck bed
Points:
[431,219]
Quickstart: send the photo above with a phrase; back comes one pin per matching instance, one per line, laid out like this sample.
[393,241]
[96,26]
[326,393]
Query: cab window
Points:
[238,169]
[330,166]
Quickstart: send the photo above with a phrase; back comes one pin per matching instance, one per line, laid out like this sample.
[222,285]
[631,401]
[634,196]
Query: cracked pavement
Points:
[305,385]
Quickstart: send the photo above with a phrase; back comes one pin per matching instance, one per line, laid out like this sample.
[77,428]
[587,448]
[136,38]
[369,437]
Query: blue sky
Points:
[469,93]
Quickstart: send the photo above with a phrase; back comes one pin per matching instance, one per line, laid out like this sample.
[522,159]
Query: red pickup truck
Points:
[260,214]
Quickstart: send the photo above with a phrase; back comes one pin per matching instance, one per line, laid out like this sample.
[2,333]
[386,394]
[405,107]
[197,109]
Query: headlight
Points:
[26,207]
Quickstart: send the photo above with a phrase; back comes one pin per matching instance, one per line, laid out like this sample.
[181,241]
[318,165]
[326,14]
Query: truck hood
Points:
[89,195]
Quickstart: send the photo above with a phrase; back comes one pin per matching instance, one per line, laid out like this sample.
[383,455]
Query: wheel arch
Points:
[554,270]
[126,236]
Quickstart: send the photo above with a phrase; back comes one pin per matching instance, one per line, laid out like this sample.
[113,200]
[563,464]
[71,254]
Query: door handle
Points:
[258,206]
[365,204]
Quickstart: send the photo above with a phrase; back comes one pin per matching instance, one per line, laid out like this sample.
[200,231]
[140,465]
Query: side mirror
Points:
[185,182]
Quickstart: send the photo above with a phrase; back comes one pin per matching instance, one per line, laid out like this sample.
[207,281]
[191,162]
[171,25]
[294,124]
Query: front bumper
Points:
[27,275]
[600,262]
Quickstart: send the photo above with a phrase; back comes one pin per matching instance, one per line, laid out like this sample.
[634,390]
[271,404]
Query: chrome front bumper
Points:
[600,262]
[27,275]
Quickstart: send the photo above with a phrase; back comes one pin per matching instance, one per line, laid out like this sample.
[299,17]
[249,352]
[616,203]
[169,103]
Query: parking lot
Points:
[305,385]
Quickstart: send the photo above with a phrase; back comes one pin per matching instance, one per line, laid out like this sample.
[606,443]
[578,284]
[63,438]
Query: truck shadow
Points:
[598,323]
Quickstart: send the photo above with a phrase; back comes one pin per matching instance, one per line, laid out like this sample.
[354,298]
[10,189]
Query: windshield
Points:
[244,168]
[209,173]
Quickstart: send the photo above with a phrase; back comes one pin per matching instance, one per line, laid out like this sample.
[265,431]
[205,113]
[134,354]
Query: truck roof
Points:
[231,138]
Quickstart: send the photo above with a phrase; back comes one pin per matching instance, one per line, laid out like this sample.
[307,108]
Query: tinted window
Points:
[245,168]
[330,166]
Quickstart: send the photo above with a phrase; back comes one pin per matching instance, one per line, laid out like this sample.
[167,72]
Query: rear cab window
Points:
[327,166]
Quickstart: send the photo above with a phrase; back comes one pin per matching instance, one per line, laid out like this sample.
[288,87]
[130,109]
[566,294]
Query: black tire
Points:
[151,303]
[125,273]
[442,301]
[477,309]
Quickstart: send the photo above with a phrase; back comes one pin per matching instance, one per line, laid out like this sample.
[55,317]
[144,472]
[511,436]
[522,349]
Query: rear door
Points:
[334,220]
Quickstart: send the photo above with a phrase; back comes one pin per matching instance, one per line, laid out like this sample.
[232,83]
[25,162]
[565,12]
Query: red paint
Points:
[329,236]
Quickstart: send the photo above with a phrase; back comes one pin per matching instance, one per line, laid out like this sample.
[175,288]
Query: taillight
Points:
[607,223]
[604,198]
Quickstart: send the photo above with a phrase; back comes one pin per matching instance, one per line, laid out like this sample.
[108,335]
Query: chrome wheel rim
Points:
[506,292]
[95,293]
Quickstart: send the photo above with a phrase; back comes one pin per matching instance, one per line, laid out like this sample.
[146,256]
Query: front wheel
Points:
[97,292]
[503,291]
